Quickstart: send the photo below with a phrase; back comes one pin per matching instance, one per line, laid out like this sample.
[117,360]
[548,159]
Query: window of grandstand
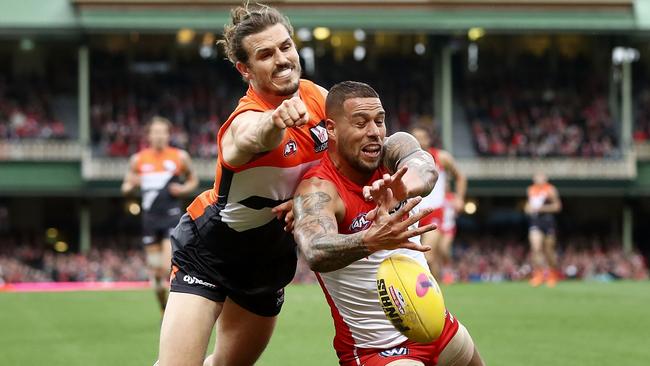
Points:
[38,83]
[137,76]
[540,96]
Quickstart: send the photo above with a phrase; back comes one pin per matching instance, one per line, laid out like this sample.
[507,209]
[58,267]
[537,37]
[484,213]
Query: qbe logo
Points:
[191,280]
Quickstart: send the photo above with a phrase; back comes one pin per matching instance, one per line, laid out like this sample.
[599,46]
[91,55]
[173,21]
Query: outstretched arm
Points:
[316,230]
[316,207]
[251,132]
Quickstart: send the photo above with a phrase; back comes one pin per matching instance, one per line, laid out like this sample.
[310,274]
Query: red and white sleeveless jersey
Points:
[244,195]
[436,198]
[351,292]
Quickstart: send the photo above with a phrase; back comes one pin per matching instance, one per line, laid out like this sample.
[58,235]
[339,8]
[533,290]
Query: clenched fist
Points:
[291,113]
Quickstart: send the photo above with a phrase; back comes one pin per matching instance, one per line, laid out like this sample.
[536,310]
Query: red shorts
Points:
[434,217]
[426,353]
[446,225]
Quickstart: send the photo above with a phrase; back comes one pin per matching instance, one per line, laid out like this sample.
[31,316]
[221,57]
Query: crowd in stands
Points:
[26,112]
[642,116]
[495,259]
[29,264]
[477,259]
[517,121]
[196,100]
[506,118]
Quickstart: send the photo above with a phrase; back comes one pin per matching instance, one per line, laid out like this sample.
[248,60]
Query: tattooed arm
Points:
[317,208]
[403,150]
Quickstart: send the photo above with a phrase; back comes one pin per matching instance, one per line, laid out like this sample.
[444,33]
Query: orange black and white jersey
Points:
[244,195]
[157,169]
[538,195]
[229,236]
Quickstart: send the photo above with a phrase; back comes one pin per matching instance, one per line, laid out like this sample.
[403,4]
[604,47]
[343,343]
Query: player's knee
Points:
[405,362]
[459,351]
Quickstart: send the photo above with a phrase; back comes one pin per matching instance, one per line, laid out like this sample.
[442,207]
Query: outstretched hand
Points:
[284,211]
[377,189]
[391,230]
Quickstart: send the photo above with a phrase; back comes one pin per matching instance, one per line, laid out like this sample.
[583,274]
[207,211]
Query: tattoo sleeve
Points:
[402,149]
[317,235]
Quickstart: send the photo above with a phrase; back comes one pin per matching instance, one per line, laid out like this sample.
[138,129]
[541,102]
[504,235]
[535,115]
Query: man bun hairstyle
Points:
[246,20]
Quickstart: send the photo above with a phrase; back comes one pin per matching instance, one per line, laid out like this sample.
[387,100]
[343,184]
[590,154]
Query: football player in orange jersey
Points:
[163,174]
[543,202]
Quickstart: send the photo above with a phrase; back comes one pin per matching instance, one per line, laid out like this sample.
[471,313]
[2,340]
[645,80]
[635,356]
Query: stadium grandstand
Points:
[510,87]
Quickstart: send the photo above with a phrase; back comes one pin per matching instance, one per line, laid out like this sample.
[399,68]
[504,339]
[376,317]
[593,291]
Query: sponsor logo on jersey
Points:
[320,137]
[394,352]
[191,280]
[389,308]
[169,165]
[290,148]
[359,223]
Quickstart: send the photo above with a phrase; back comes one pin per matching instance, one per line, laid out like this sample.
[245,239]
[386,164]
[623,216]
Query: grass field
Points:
[574,324]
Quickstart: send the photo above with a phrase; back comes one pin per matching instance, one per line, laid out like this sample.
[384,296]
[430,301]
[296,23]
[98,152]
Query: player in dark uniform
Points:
[543,203]
[158,171]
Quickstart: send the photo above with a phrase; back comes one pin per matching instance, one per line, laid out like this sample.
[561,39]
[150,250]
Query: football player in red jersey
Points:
[345,237]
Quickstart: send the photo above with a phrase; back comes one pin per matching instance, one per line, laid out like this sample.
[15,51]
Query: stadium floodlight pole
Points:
[84,140]
[445,87]
[625,57]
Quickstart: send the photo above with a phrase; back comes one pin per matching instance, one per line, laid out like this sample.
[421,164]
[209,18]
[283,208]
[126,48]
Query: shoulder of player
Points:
[316,184]
[322,91]
[320,194]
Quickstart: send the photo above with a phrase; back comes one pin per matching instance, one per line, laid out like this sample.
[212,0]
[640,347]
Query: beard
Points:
[355,161]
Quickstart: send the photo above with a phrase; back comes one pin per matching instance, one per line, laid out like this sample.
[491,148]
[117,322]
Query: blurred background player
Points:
[543,203]
[445,202]
[345,237]
[159,171]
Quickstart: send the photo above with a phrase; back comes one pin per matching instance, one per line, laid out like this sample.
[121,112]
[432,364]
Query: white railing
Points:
[95,168]
[101,168]
[556,168]
[643,151]
[40,151]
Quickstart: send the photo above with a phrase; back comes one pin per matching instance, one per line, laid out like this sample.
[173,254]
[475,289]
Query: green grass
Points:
[512,324]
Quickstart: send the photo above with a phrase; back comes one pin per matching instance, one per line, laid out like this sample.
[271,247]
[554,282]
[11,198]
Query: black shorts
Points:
[158,226]
[251,267]
[265,304]
[544,223]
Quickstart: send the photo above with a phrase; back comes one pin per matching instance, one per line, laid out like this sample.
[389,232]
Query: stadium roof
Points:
[82,16]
